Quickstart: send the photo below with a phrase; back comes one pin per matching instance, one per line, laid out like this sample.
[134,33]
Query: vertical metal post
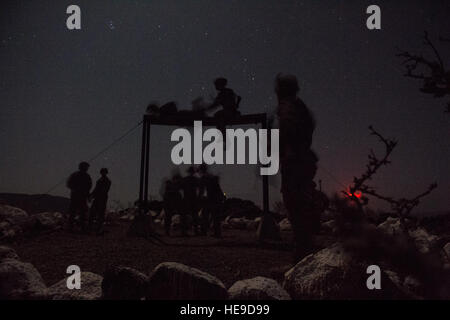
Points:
[265,178]
[147,162]
[143,144]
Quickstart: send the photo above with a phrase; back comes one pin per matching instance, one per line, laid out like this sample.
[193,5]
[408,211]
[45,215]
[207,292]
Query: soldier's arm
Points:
[287,124]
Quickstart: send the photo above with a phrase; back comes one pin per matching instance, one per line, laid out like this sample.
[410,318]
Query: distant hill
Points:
[35,203]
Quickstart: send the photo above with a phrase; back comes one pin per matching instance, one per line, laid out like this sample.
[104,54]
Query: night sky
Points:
[65,95]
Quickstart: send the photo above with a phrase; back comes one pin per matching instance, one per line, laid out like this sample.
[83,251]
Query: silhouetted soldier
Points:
[189,185]
[80,184]
[225,98]
[212,202]
[100,196]
[172,201]
[298,162]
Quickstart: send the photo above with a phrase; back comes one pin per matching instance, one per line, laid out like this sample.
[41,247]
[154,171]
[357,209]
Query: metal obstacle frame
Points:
[188,121]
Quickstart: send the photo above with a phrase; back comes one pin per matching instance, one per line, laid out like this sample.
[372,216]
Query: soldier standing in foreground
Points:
[100,196]
[80,184]
[298,163]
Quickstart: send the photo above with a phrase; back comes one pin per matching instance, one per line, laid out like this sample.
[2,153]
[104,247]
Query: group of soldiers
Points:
[198,191]
[80,184]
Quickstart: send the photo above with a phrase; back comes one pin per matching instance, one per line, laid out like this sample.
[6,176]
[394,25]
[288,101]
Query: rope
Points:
[93,158]
[333,177]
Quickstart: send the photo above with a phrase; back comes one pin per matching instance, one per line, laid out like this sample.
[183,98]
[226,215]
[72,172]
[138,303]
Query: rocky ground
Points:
[35,252]
[236,256]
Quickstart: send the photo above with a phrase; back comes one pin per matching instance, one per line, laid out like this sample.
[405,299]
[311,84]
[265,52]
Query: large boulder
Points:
[446,256]
[91,288]
[8,253]
[49,220]
[259,288]
[20,281]
[334,273]
[423,240]
[409,284]
[12,214]
[391,226]
[9,231]
[123,283]
[176,281]
[13,222]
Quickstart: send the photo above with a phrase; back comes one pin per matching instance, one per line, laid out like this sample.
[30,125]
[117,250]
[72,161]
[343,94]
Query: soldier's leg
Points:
[205,219]
[217,217]
[167,219]
[195,219]
[72,214]
[183,222]
[294,206]
[92,215]
[83,209]
[100,215]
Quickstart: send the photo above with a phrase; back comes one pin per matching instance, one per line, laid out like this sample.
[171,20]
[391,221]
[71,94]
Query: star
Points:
[111,25]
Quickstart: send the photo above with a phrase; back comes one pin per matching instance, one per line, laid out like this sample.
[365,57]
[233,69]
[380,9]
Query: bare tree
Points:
[431,71]
[360,189]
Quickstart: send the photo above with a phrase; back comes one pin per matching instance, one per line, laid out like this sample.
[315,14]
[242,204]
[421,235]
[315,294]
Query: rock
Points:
[410,286]
[238,208]
[128,214]
[12,214]
[123,283]
[9,231]
[176,221]
[8,253]
[333,273]
[259,288]
[15,222]
[285,225]
[391,226]
[91,288]
[446,256]
[447,249]
[330,226]
[49,220]
[252,224]
[20,281]
[423,240]
[238,223]
[176,281]
[152,213]
[127,217]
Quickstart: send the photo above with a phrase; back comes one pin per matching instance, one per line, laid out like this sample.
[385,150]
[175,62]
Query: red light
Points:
[357,194]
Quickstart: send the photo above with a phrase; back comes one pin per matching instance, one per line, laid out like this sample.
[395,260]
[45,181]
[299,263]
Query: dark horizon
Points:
[66,95]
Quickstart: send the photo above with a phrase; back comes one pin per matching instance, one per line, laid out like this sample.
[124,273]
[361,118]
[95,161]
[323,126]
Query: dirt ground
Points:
[238,255]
